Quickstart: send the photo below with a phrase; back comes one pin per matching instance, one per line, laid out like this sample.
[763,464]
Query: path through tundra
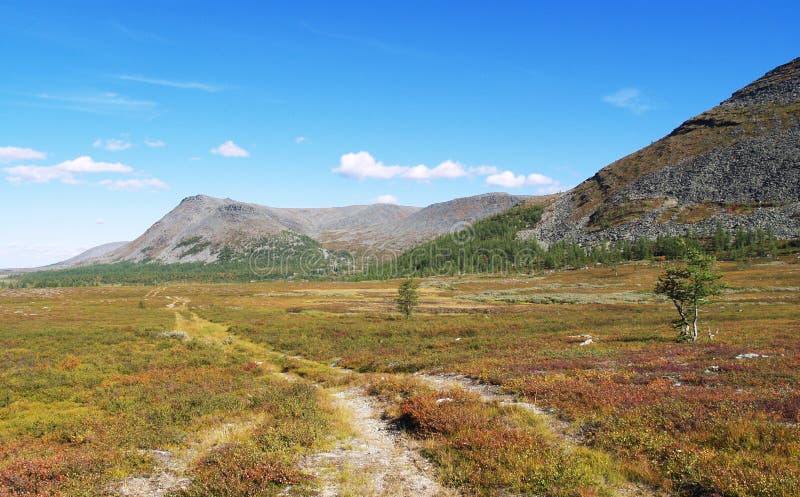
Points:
[375,461]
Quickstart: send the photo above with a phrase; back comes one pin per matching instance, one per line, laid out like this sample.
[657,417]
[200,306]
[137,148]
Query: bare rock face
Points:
[736,165]
[200,227]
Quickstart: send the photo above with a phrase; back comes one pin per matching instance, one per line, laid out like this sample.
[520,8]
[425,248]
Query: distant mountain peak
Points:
[198,228]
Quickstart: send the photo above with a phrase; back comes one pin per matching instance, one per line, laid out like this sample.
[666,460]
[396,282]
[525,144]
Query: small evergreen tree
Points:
[407,297]
[690,286]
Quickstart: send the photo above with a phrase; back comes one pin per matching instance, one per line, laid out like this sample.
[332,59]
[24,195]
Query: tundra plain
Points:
[563,383]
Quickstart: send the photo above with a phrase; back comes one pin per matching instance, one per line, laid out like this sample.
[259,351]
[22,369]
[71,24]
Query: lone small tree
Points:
[690,286]
[407,297]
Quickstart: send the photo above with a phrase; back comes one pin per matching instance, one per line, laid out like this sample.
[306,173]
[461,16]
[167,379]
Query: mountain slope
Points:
[204,229]
[737,164]
[421,225]
[89,255]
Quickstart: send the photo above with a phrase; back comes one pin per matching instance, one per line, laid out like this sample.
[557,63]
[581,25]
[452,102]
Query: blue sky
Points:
[111,112]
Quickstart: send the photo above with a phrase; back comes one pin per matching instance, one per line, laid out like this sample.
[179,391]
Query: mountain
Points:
[207,229]
[419,225]
[736,165]
[87,256]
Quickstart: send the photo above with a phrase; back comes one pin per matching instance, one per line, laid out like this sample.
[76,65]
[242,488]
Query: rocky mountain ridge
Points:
[200,227]
[736,165]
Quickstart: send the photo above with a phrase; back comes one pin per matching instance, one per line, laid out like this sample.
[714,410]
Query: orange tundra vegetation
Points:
[93,375]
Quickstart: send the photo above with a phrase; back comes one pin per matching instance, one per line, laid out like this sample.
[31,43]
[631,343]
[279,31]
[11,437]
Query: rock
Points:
[336,362]
[585,339]
[444,399]
[182,335]
[750,355]
[712,370]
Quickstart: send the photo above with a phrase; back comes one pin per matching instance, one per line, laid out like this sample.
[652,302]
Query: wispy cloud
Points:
[630,99]
[135,185]
[381,45]
[97,103]
[17,154]
[112,144]
[300,139]
[362,165]
[170,83]
[154,143]
[139,34]
[386,199]
[230,149]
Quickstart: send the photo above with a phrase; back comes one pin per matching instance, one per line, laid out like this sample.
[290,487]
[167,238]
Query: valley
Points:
[373,315]
[321,388]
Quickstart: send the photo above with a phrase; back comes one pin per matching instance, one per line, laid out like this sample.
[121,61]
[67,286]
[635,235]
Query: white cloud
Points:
[112,144]
[36,174]
[386,199]
[101,103]
[507,179]
[230,149]
[538,179]
[13,154]
[154,143]
[362,165]
[447,169]
[183,85]
[86,164]
[629,98]
[66,172]
[135,184]
[300,139]
[100,220]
